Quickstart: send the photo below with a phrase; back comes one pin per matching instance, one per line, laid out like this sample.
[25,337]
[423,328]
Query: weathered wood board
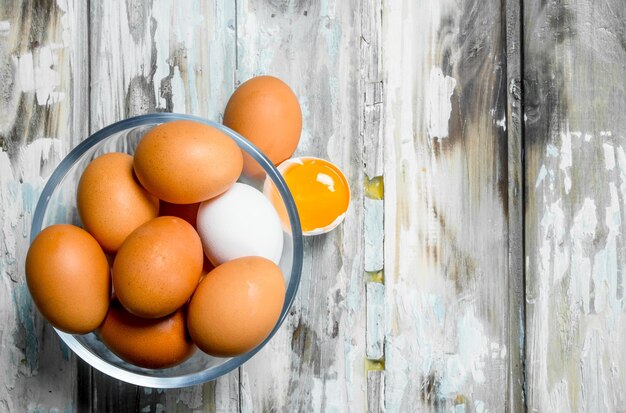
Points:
[145,57]
[43,94]
[314,46]
[160,56]
[419,301]
[575,117]
[446,207]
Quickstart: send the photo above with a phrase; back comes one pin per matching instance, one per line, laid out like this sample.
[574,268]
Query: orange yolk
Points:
[320,191]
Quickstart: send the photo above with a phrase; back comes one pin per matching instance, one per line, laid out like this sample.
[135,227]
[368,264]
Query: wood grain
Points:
[43,90]
[446,206]
[317,361]
[575,113]
[160,56]
[515,226]
[418,302]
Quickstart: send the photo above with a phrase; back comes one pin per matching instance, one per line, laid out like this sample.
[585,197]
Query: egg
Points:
[68,278]
[319,189]
[150,343]
[110,201]
[265,111]
[184,162]
[158,267]
[239,223]
[236,306]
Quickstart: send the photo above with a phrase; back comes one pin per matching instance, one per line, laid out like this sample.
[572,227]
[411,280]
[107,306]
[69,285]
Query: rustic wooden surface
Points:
[575,108]
[481,266]
[446,200]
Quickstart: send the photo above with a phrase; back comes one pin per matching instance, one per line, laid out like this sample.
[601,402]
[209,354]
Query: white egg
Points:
[239,223]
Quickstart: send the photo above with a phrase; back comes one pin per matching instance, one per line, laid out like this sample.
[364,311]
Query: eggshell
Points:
[267,113]
[68,278]
[150,343]
[236,306]
[184,162]
[110,202]
[239,223]
[158,267]
[320,191]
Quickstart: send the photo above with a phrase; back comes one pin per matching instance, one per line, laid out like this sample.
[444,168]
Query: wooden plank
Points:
[375,391]
[575,139]
[375,313]
[374,230]
[372,86]
[373,202]
[160,56]
[43,90]
[446,207]
[515,226]
[316,362]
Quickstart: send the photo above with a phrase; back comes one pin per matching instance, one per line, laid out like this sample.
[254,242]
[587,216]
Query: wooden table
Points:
[489,277]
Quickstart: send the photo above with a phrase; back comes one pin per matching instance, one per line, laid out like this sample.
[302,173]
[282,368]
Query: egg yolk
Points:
[320,191]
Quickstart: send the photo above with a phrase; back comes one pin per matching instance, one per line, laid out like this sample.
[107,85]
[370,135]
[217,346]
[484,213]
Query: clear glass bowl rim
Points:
[296,268]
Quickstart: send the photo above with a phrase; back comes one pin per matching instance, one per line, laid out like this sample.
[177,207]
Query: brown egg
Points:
[188,212]
[267,113]
[184,162]
[68,277]
[236,306]
[151,343]
[158,267]
[111,203]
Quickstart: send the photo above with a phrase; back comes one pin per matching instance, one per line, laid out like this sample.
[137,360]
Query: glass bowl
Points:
[57,204]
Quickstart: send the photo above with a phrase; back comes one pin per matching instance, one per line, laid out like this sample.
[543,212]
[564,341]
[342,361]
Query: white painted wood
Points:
[426,82]
[42,92]
[446,241]
[575,122]
[317,360]
[372,85]
[161,56]
[374,233]
[375,391]
[375,309]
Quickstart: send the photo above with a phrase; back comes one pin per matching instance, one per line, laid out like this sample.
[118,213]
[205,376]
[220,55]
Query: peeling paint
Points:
[438,272]
[375,311]
[621,161]
[373,229]
[5,27]
[541,175]
[479,406]
[583,231]
[502,123]
[551,150]
[566,160]
[609,156]
[578,282]
[440,90]
[36,73]
[473,345]
[453,377]
[190,397]
[20,185]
